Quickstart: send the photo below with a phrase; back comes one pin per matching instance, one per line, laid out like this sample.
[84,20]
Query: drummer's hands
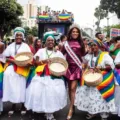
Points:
[47,61]
[11,60]
[107,67]
[29,64]
[117,66]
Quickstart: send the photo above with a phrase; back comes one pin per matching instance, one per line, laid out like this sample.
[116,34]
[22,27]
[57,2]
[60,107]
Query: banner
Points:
[114,32]
[56,28]
[64,16]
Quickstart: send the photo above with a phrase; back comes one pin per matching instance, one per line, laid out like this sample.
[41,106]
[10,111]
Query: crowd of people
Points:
[37,90]
[54,15]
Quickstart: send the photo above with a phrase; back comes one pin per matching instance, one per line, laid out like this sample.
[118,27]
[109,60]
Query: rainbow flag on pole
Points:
[64,16]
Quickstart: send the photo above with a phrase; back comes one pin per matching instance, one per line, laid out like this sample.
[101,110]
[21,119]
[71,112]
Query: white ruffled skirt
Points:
[14,86]
[1,105]
[90,100]
[117,100]
[46,95]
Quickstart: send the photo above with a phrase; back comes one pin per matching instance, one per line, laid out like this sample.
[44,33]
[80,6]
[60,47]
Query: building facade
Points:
[89,31]
[30,13]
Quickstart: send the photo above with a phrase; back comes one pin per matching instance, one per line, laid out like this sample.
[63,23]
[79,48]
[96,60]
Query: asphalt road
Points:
[61,115]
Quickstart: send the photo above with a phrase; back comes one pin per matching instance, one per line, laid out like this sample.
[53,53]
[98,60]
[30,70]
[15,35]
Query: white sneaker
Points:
[23,112]
[11,112]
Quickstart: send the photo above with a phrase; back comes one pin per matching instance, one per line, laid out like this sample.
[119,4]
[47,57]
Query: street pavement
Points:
[61,115]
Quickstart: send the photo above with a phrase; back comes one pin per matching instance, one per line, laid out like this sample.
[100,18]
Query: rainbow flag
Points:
[107,87]
[1,81]
[117,75]
[24,71]
[64,16]
[31,75]
[42,69]
[44,17]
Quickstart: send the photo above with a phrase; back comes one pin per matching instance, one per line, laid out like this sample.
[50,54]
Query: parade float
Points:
[59,22]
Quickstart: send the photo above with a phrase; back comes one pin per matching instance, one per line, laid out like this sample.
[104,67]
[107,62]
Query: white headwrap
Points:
[19,30]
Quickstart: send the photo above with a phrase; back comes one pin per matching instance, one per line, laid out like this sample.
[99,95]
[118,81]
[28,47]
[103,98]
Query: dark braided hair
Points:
[80,40]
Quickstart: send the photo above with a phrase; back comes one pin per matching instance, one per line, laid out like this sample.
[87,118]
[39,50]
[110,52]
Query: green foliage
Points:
[27,31]
[33,31]
[10,11]
[111,6]
[100,14]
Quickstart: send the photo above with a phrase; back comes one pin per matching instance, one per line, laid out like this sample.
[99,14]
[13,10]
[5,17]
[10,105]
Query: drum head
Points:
[57,67]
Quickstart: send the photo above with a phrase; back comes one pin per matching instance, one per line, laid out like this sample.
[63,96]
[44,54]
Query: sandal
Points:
[89,116]
[49,116]
[70,116]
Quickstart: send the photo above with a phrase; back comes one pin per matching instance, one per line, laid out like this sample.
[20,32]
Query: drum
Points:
[23,58]
[58,66]
[92,78]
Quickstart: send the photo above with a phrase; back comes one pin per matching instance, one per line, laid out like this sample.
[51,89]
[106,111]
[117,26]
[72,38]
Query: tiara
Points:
[74,26]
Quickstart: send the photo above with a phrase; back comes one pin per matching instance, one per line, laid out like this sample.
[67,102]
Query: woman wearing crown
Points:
[73,49]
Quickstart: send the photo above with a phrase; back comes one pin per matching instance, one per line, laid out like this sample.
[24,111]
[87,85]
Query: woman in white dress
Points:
[14,85]
[2,61]
[92,99]
[117,83]
[46,94]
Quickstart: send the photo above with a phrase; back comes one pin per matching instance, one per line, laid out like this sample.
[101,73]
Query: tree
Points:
[27,31]
[34,31]
[111,6]
[10,11]
[100,14]
[106,30]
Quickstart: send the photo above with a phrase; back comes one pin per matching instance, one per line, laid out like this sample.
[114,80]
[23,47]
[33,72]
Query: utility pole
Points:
[108,26]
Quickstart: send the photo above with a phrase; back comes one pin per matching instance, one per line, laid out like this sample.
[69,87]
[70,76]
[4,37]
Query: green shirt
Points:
[115,52]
